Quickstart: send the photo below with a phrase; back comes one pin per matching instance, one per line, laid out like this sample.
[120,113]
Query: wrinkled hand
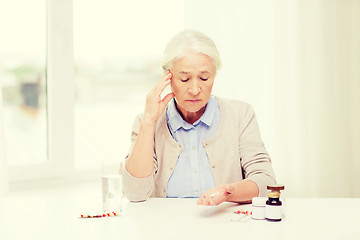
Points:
[216,195]
[155,106]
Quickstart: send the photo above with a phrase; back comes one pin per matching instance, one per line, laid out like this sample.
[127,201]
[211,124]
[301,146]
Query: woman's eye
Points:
[204,79]
[185,80]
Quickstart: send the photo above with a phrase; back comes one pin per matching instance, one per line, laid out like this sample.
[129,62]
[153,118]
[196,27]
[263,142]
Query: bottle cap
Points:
[259,201]
[276,187]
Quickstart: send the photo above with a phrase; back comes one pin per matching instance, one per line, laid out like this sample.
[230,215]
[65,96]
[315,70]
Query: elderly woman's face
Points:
[192,82]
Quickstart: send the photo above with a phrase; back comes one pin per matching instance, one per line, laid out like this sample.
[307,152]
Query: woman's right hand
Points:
[140,163]
[155,106]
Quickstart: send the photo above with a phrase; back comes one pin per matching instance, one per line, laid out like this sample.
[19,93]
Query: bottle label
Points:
[258,212]
[273,212]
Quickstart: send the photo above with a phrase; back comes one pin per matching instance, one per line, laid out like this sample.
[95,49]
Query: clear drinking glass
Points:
[112,193]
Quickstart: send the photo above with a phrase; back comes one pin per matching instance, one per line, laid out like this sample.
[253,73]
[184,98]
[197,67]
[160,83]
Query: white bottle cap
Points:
[259,201]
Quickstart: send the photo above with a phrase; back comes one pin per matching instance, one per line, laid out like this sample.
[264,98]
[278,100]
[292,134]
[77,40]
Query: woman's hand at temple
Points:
[140,163]
[155,106]
[216,195]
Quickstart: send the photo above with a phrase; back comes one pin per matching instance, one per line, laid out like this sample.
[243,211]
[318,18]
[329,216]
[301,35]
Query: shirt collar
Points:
[209,113]
[175,121]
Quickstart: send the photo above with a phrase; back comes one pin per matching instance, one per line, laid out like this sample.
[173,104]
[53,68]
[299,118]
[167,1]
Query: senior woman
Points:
[191,143]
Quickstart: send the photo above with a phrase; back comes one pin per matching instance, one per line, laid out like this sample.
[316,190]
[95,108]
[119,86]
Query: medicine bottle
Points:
[258,208]
[273,208]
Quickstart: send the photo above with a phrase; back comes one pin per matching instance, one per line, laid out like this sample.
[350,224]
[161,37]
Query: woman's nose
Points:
[194,89]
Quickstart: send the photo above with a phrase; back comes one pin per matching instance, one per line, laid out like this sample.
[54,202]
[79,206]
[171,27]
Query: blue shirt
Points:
[192,174]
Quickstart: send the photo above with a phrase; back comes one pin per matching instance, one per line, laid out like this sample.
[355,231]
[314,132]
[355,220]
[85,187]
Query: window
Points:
[115,54]
[36,68]
[118,47]
[22,69]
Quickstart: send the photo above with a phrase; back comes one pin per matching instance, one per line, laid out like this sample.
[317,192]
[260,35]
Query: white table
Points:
[58,218]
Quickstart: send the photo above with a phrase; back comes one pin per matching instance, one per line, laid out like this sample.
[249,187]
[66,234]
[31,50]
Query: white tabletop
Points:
[59,218]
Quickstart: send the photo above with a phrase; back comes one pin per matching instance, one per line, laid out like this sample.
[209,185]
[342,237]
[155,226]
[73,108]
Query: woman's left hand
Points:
[216,195]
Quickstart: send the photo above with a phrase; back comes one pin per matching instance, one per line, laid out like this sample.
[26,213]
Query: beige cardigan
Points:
[235,152]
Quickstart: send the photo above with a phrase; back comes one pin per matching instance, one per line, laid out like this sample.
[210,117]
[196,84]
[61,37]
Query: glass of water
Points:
[112,193]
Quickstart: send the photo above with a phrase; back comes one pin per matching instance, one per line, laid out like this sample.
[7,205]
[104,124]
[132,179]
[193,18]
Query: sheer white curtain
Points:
[325,68]
[297,63]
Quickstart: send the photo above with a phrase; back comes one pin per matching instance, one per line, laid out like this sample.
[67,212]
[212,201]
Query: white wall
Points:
[297,63]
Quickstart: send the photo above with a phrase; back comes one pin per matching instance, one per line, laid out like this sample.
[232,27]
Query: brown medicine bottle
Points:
[273,208]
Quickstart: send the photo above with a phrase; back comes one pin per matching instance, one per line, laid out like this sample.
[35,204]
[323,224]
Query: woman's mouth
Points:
[193,100]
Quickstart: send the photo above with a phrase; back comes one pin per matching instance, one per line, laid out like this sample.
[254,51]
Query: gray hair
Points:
[189,41]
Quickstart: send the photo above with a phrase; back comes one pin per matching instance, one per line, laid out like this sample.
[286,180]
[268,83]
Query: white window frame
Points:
[60,97]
